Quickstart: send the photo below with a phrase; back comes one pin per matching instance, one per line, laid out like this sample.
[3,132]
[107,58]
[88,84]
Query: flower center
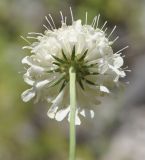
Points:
[79,64]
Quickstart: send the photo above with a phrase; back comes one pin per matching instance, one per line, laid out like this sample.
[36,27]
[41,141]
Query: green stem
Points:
[72,86]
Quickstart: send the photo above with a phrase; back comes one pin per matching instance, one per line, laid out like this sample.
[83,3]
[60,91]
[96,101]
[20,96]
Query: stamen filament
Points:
[86,18]
[52,20]
[112,31]
[62,19]
[94,22]
[98,20]
[45,27]
[121,50]
[25,40]
[104,25]
[71,15]
[49,23]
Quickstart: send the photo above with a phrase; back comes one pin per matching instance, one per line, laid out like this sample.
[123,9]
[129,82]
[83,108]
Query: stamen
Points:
[115,39]
[127,82]
[112,31]
[25,39]
[121,50]
[62,19]
[71,15]
[125,68]
[65,19]
[25,68]
[104,25]
[111,42]
[22,72]
[105,30]
[26,47]
[35,33]
[45,27]
[49,22]
[94,22]
[86,18]
[32,37]
[98,20]
[52,20]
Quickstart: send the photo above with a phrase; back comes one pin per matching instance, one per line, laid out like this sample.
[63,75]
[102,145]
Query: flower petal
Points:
[117,71]
[104,89]
[42,83]
[103,68]
[28,95]
[28,79]
[83,113]
[25,60]
[60,115]
[92,113]
[54,107]
[77,120]
[118,62]
[87,113]
[52,111]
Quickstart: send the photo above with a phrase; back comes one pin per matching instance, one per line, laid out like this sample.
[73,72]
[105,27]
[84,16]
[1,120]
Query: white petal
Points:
[87,113]
[59,98]
[77,120]
[77,25]
[116,78]
[53,109]
[26,47]
[28,80]
[103,68]
[60,115]
[83,113]
[37,69]
[42,83]
[51,112]
[26,60]
[115,69]
[28,95]
[122,74]
[80,45]
[104,89]
[92,113]
[118,62]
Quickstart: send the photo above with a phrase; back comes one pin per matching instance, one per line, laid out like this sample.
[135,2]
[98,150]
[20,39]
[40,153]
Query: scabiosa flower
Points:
[85,47]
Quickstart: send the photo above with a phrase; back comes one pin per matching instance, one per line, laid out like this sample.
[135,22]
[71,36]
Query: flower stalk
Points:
[72,76]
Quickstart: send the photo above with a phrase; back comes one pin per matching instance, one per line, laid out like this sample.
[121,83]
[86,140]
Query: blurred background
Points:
[118,129]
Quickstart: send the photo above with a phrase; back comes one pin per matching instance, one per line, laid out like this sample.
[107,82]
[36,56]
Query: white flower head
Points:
[85,47]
